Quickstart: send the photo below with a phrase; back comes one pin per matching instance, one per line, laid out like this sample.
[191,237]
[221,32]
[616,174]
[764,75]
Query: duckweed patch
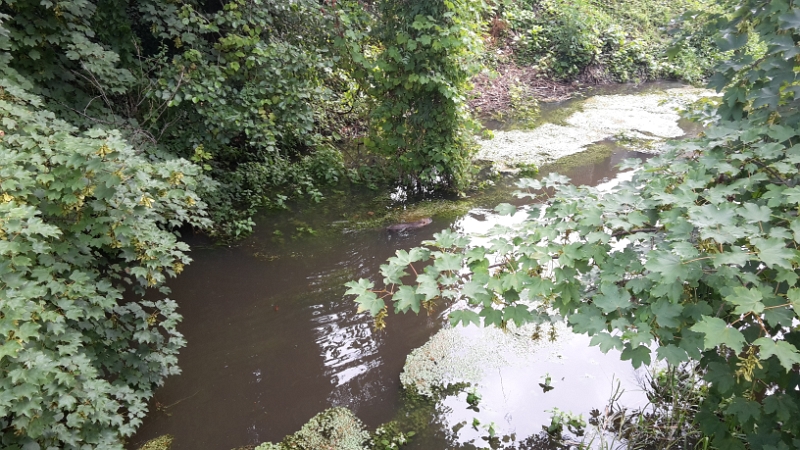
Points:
[594,154]
[335,428]
[462,355]
[645,117]
[390,436]
[160,443]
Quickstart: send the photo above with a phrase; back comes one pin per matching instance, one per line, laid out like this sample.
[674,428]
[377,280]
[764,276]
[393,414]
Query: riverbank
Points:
[641,121]
[275,307]
[511,372]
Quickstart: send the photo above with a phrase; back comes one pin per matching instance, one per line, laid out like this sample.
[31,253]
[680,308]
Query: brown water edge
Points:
[271,341]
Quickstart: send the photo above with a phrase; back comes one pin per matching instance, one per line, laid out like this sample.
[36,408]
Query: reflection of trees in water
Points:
[541,441]
[418,413]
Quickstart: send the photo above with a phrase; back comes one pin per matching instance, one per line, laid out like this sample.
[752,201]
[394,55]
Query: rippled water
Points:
[271,341]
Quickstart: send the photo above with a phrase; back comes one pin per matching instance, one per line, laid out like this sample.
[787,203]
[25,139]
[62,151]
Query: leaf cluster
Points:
[619,40]
[85,228]
[694,259]
[249,83]
[416,63]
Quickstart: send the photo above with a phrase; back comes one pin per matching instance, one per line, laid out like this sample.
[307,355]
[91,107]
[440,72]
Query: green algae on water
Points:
[160,443]
[335,428]
[462,355]
[651,116]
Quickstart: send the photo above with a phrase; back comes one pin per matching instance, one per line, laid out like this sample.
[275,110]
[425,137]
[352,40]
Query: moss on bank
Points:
[160,443]
[339,429]
[335,428]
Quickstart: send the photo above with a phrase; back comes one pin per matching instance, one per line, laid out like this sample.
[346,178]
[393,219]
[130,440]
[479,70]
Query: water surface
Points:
[271,341]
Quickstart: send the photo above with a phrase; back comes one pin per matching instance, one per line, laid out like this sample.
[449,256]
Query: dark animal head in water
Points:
[410,225]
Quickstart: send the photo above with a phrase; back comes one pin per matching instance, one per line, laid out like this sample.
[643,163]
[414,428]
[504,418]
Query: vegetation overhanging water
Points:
[273,342]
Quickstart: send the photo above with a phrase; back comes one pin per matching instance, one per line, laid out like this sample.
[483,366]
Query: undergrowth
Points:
[608,40]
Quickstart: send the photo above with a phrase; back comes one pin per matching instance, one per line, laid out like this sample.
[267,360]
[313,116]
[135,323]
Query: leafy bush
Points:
[698,253]
[568,36]
[620,40]
[251,83]
[86,226]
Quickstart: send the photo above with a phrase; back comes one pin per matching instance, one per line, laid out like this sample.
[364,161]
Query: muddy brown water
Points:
[271,341]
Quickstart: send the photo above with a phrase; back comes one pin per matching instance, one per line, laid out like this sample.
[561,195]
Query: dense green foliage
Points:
[85,224]
[625,40]
[697,254]
[122,122]
[430,50]
[242,87]
[258,92]
[418,73]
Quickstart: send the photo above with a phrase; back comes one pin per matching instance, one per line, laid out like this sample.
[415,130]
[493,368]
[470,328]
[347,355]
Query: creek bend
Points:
[271,341]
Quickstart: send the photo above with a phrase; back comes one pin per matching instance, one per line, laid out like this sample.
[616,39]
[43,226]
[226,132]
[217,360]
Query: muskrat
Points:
[410,225]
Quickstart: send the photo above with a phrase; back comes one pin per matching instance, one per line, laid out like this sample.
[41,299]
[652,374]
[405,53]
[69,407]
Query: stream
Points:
[272,342]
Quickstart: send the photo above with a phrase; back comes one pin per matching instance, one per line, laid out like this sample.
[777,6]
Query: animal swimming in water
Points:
[398,227]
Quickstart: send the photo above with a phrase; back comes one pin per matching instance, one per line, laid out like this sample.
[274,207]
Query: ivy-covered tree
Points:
[416,64]
[697,255]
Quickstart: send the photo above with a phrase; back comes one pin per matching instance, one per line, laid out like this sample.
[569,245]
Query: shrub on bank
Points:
[621,40]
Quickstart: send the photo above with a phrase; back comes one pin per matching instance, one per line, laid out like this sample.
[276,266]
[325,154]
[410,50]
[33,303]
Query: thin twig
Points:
[636,230]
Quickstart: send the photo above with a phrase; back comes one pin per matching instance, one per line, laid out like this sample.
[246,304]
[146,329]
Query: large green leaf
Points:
[746,300]
[405,258]
[717,332]
[612,298]
[637,356]
[427,286]
[744,410]
[448,262]
[667,313]
[519,314]
[491,316]
[606,341]
[588,320]
[773,252]
[668,265]
[406,298]
[465,317]
[786,353]
[753,213]
[393,273]
[674,355]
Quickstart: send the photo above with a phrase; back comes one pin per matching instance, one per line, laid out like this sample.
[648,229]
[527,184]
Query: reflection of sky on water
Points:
[347,345]
[512,401]
[582,376]
[347,342]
